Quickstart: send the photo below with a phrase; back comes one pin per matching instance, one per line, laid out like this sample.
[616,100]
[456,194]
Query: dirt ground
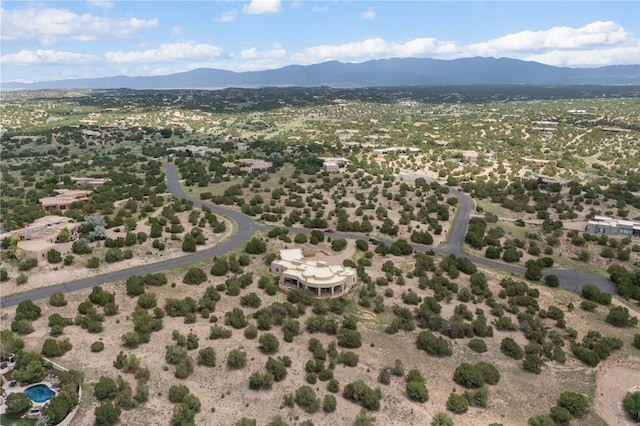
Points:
[614,379]
[226,397]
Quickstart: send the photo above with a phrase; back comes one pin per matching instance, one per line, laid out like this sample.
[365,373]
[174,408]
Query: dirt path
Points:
[614,378]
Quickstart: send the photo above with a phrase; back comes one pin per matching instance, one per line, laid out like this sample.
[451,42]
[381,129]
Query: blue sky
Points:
[48,40]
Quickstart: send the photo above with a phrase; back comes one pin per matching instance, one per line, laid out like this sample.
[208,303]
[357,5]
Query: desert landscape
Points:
[430,300]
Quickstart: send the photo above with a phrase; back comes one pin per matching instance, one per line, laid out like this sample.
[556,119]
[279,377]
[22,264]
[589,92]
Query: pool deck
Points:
[51,381]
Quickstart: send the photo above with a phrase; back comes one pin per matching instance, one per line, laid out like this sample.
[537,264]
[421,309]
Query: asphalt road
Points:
[245,229]
[570,279]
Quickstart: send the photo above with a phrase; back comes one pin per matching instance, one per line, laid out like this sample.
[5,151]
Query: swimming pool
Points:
[39,393]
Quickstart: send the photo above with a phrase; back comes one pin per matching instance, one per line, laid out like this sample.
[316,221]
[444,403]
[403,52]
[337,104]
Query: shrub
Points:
[510,347]
[578,405]
[306,398]
[631,403]
[552,280]
[177,393]
[237,358]
[532,363]
[417,391]
[147,301]
[468,375]
[260,380]
[93,263]
[591,292]
[432,344]
[619,317]
[106,388]
[269,343]
[329,403]
[207,356]
[97,346]
[560,415]
[588,305]
[28,310]
[57,299]
[636,341]
[359,392]
[541,420]
[490,372]
[442,419]
[194,276]
[457,403]
[477,345]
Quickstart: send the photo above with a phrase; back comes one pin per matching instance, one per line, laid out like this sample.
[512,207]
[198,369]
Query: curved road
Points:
[570,279]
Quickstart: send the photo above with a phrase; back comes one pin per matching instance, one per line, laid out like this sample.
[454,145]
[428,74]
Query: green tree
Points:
[54,256]
[207,356]
[619,317]
[177,393]
[442,419]
[306,398]
[64,235]
[631,403]
[468,375]
[195,276]
[189,243]
[510,347]
[106,388]
[269,343]
[256,246]
[107,413]
[17,404]
[417,391]
[237,358]
[329,403]
[577,404]
[57,299]
[457,403]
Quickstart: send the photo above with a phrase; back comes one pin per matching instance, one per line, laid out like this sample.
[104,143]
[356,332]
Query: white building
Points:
[323,279]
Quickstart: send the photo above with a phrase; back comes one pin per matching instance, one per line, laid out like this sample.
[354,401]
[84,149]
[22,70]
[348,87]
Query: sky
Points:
[53,40]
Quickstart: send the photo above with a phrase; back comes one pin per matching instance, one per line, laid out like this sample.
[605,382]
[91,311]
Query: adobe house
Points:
[35,249]
[64,199]
[323,279]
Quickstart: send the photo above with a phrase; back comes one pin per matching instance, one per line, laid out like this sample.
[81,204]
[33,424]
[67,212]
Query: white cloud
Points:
[253,54]
[369,15]
[227,16]
[176,31]
[168,52]
[590,58]
[261,7]
[48,57]
[592,35]
[102,4]
[375,48]
[317,9]
[49,26]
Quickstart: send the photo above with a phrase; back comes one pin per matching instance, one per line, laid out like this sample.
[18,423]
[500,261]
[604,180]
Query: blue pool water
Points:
[39,393]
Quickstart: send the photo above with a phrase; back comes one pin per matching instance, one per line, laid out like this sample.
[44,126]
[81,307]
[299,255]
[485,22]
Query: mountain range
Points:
[374,73]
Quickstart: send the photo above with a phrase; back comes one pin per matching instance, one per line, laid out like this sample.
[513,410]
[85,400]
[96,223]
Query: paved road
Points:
[245,229]
[570,279]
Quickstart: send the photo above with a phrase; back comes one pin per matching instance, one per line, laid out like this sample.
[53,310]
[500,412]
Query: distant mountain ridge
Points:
[374,73]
